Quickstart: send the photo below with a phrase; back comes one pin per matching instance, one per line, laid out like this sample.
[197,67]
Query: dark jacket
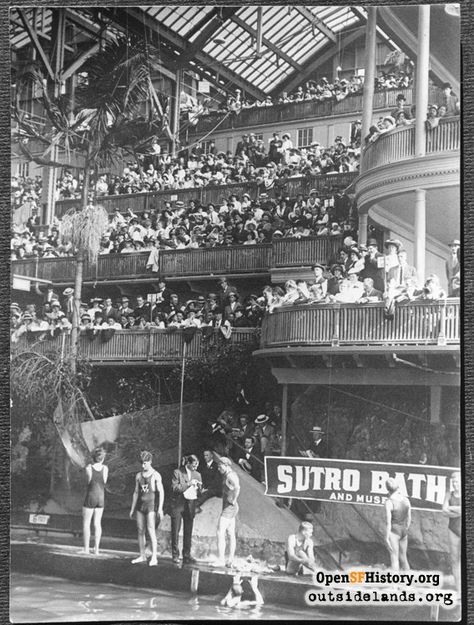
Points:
[211,478]
[179,484]
[256,462]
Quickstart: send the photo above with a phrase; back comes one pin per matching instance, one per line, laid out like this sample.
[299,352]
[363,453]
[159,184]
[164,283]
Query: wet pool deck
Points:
[114,566]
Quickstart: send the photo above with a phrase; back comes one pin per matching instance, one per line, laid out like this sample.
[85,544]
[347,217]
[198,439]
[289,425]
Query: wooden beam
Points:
[138,21]
[271,46]
[75,65]
[216,22]
[318,59]
[315,21]
[364,377]
[35,41]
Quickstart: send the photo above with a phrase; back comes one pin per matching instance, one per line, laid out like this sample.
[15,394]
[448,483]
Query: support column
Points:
[363,220]
[284,417]
[422,75]
[177,108]
[420,233]
[435,404]
[369,75]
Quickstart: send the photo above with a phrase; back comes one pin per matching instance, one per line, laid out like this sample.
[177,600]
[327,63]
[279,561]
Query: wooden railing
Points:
[293,111]
[420,323]
[399,144]
[164,346]
[139,202]
[234,259]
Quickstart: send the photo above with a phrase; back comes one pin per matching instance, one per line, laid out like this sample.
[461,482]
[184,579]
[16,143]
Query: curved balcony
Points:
[392,168]
[143,347]
[231,260]
[139,202]
[338,325]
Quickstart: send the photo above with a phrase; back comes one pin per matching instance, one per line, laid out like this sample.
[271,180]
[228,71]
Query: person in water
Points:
[452,509]
[97,474]
[397,524]
[300,550]
[243,593]
[148,483]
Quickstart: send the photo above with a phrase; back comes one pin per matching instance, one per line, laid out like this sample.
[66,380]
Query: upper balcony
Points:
[215,194]
[392,169]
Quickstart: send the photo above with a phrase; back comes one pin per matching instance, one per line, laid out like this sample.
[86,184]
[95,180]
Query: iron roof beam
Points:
[315,21]
[137,20]
[318,59]
[271,46]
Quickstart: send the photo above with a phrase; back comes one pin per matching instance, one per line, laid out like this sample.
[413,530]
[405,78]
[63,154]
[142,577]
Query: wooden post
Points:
[369,74]
[180,422]
[284,418]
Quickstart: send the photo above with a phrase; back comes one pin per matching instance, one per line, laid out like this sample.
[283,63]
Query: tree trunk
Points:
[77,305]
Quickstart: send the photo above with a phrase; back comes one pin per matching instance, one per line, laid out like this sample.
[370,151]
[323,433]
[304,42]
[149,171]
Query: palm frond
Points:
[84,229]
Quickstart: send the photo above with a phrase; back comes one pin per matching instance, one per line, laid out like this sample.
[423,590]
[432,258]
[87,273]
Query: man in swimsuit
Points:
[147,483]
[230,508]
[300,550]
[398,520]
[97,474]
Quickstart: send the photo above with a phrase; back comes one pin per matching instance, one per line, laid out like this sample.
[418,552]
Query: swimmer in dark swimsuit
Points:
[452,509]
[97,474]
[398,520]
[148,483]
[239,596]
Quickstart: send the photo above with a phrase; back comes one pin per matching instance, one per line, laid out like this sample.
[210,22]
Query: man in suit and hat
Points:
[186,485]
[68,303]
[124,309]
[402,274]
[372,265]
[319,445]
[250,458]
[402,107]
[453,267]
[449,100]
[335,281]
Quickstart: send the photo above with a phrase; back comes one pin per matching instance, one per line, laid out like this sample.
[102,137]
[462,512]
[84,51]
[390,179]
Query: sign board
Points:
[39,519]
[173,198]
[357,482]
[21,284]
[204,86]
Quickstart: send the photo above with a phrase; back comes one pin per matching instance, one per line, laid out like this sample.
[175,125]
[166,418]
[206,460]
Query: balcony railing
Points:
[399,144]
[419,323]
[145,346]
[139,202]
[235,259]
[296,111]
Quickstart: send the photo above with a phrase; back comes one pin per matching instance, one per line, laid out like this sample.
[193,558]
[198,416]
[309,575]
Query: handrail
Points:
[141,346]
[419,322]
[399,144]
[295,111]
[259,258]
[139,202]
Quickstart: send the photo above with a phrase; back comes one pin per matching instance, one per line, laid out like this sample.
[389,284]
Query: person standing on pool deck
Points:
[230,508]
[97,474]
[452,509]
[147,483]
[398,520]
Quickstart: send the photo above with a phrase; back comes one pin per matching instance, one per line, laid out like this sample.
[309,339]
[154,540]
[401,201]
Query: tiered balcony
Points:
[139,202]
[234,260]
[391,167]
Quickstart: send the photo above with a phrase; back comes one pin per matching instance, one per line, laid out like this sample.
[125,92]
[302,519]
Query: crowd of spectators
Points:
[323,90]
[237,221]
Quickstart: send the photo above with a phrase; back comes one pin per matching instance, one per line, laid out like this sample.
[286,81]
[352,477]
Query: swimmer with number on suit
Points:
[452,509]
[148,483]
[230,508]
[97,474]
[398,521]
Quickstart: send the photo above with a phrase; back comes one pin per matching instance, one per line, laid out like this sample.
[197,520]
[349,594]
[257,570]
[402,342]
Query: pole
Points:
[177,107]
[369,74]
[422,75]
[180,421]
[284,419]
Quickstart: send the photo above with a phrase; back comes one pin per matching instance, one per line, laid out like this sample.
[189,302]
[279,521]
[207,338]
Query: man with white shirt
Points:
[211,479]
[185,485]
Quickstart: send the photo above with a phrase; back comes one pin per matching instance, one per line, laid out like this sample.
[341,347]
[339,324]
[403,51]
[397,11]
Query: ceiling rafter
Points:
[208,31]
[318,59]
[137,20]
[267,43]
[315,21]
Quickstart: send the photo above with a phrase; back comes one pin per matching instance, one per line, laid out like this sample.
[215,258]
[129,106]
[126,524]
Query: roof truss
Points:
[315,21]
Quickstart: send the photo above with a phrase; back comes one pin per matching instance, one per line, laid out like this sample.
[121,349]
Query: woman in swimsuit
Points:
[97,474]
[452,509]
[147,483]
[398,520]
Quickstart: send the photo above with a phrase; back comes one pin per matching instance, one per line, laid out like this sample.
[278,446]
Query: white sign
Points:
[21,284]
[39,519]
[204,86]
